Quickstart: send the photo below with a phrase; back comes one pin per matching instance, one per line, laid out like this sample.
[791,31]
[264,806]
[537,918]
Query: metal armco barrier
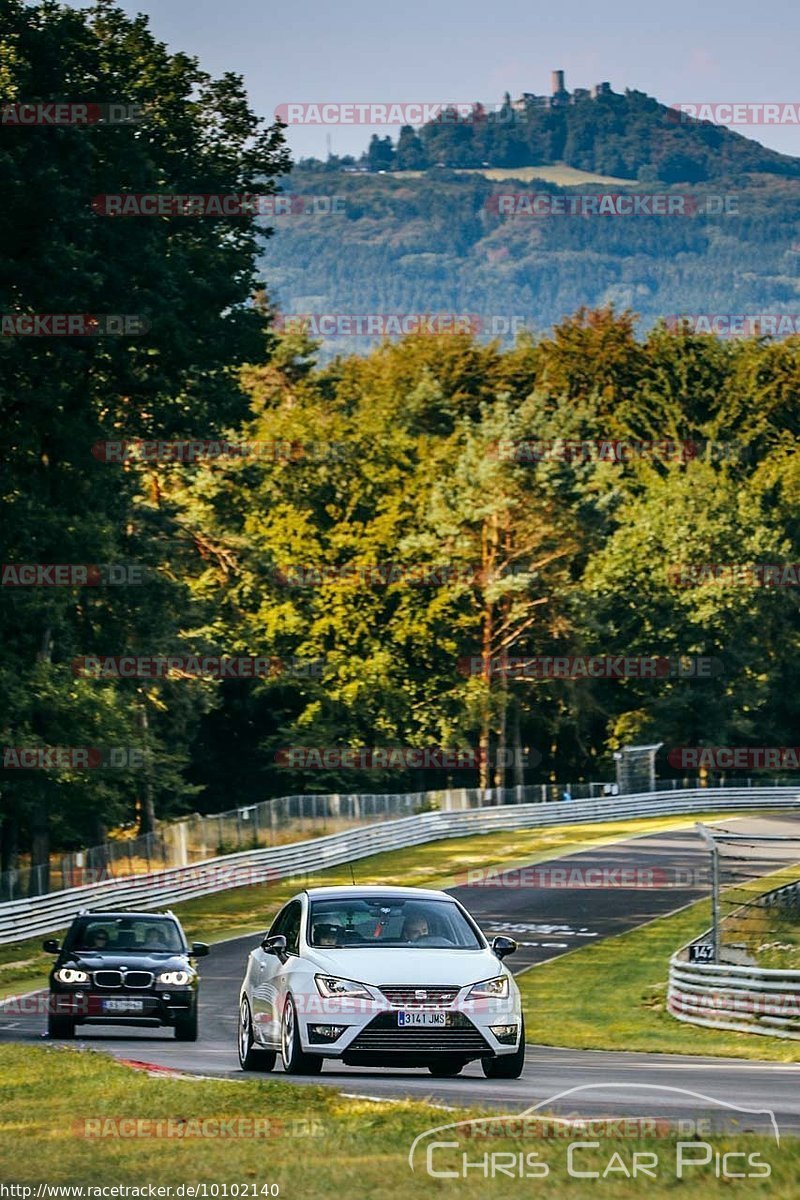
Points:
[31,917]
[744,999]
[735,996]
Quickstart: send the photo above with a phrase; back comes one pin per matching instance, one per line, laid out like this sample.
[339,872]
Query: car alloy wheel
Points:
[295,1061]
[251,1059]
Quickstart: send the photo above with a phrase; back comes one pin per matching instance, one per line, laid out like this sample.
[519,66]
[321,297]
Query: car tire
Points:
[446,1068]
[60,1027]
[506,1066]
[295,1060]
[251,1058]
[186,1028]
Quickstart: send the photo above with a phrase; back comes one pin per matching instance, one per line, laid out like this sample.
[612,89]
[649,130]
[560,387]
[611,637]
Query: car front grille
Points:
[412,996]
[123,979]
[384,1035]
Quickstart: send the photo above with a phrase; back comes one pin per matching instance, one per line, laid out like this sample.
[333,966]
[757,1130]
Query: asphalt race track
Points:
[550,909]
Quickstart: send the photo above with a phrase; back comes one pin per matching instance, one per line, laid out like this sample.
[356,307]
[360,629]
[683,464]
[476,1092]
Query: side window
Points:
[291,927]
[279,924]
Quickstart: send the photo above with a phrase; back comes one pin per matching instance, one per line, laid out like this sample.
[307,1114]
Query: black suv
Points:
[124,968]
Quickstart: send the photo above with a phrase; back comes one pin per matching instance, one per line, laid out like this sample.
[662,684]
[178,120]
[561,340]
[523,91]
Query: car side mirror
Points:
[501,946]
[274,945]
[199,949]
[52,946]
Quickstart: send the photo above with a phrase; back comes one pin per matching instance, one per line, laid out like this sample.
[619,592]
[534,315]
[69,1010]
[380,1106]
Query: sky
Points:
[429,51]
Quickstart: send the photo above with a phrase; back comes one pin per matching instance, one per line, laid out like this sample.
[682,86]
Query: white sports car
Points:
[378,976]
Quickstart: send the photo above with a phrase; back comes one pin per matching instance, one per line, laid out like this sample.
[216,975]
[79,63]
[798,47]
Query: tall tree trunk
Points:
[147,810]
[500,762]
[40,849]
[519,768]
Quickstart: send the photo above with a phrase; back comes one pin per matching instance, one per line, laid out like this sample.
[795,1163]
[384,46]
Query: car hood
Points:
[133,962]
[399,965]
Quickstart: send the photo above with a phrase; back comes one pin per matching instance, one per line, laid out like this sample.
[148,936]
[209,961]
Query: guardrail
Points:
[46,914]
[737,996]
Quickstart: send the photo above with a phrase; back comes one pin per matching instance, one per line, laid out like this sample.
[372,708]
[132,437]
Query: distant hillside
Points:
[630,136]
[440,243]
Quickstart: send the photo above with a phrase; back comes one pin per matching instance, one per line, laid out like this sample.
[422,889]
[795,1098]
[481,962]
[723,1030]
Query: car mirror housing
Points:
[199,949]
[502,946]
[52,946]
[274,945]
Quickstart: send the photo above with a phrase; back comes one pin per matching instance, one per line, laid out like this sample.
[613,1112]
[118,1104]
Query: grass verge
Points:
[226,914]
[617,992]
[319,1143]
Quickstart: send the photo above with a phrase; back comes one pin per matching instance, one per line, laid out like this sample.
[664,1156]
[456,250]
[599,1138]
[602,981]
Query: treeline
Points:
[630,136]
[444,245]
[549,552]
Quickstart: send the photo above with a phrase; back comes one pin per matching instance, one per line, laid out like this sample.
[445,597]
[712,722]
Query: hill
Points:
[441,243]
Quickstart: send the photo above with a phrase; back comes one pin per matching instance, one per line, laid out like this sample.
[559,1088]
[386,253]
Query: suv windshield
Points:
[126,935]
[387,921]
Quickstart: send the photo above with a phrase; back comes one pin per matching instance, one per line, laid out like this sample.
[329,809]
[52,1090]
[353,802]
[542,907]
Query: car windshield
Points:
[386,921]
[126,935]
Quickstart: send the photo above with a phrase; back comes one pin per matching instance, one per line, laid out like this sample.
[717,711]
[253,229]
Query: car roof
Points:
[353,891]
[97,914]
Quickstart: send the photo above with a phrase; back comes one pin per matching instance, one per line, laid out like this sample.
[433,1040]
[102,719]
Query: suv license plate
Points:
[123,1006]
[404,1019]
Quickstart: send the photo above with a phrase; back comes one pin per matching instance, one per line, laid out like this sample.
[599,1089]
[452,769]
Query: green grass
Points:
[225,914]
[322,1144]
[557,173]
[617,997]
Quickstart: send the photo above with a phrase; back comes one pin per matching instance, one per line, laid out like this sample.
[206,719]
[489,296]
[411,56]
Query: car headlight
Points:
[330,987]
[489,989]
[71,975]
[174,978]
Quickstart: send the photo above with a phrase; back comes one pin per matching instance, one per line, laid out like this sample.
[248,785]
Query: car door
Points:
[274,973]
[261,983]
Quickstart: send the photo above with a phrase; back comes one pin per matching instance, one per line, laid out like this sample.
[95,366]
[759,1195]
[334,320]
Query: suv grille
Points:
[119,979]
[412,996]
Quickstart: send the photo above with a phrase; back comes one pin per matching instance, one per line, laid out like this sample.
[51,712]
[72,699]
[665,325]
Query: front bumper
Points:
[372,1034]
[123,1007]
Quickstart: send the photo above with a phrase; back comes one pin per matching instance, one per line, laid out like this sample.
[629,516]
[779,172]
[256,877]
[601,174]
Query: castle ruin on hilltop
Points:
[559,95]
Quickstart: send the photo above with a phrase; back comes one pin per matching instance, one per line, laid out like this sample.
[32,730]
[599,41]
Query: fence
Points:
[275,822]
[735,995]
[305,860]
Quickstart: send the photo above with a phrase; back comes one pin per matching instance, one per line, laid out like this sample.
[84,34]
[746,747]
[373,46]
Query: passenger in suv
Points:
[124,969]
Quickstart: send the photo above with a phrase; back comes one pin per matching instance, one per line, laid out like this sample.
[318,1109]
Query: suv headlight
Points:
[489,989]
[71,975]
[174,978]
[331,987]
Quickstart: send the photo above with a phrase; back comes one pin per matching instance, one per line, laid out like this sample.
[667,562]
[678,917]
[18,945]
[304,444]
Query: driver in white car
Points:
[415,927]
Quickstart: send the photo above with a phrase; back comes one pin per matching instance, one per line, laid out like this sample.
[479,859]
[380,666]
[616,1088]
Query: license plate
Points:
[404,1019]
[123,1006]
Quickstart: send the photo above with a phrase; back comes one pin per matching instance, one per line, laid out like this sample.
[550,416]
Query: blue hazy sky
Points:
[435,50]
